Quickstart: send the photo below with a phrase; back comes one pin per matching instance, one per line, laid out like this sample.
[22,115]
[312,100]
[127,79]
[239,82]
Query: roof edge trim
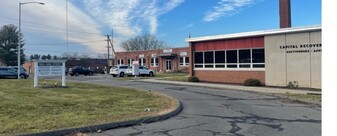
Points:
[255,33]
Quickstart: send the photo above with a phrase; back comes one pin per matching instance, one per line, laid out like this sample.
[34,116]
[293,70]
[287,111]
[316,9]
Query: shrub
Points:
[252,82]
[193,79]
[293,84]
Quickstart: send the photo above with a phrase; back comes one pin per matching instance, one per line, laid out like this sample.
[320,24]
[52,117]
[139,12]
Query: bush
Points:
[252,82]
[193,79]
[293,84]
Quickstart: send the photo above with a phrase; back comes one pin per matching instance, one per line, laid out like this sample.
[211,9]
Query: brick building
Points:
[175,59]
[276,57]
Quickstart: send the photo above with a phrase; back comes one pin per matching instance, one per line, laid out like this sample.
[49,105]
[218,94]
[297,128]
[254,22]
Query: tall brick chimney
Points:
[285,14]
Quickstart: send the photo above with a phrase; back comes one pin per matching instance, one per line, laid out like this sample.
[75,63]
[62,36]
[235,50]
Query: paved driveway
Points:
[213,112]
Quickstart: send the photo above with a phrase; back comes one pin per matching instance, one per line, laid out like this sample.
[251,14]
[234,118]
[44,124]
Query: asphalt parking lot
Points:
[209,111]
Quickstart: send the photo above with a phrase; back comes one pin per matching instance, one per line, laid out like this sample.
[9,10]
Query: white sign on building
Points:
[183,53]
[167,50]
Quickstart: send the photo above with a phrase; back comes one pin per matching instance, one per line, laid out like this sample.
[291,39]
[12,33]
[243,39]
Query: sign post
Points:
[44,68]
[135,68]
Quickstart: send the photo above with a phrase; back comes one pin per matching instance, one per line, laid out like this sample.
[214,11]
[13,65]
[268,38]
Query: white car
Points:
[143,71]
[118,70]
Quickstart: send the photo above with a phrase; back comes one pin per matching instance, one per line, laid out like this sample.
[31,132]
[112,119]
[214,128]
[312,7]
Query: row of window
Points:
[243,58]
[184,61]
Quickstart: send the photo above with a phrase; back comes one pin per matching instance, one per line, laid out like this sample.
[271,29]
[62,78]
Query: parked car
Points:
[23,72]
[118,70]
[143,71]
[77,70]
[8,72]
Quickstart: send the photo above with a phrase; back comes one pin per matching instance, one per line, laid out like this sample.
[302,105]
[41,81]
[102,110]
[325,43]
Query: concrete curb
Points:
[233,87]
[103,127]
[247,89]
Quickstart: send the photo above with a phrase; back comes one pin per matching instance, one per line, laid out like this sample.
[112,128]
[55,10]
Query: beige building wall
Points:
[289,58]
[316,60]
[275,71]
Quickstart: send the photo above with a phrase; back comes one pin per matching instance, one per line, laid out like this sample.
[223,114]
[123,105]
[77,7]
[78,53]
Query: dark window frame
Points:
[231,59]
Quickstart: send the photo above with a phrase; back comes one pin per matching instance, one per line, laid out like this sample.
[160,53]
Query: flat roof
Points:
[255,33]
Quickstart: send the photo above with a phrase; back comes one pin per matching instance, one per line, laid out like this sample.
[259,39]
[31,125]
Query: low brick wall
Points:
[236,77]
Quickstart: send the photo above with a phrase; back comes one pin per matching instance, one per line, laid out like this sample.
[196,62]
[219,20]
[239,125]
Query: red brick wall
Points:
[285,13]
[237,77]
[176,61]
[226,76]
[147,55]
[29,66]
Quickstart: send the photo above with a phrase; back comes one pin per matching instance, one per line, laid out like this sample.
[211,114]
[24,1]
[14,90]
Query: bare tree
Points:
[65,56]
[70,56]
[143,42]
[85,56]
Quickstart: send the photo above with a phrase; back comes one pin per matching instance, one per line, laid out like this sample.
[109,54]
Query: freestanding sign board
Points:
[45,68]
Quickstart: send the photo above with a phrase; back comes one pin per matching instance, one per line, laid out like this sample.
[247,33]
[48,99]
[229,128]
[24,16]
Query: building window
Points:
[187,61]
[142,62]
[130,61]
[258,58]
[232,58]
[209,59]
[154,62]
[198,59]
[120,62]
[220,59]
[243,58]
[184,61]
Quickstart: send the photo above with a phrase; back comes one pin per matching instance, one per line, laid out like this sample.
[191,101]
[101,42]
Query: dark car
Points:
[6,72]
[10,72]
[77,70]
[23,72]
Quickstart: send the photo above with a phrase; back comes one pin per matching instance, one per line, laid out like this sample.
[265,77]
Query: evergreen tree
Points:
[37,56]
[48,57]
[8,45]
[44,57]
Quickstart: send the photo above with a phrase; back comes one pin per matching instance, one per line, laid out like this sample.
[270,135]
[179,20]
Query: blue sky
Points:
[44,27]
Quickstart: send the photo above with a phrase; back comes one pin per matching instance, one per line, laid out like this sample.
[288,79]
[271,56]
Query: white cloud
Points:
[128,17]
[227,8]
[47,24]
[88,19]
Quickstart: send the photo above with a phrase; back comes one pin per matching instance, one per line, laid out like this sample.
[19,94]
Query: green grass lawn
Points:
[182,77]
[171,74]
[25,109]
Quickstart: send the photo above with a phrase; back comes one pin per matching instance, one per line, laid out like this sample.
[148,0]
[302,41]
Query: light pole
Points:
[19,37]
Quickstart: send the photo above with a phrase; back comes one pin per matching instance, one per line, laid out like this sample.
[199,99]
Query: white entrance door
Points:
[168,65]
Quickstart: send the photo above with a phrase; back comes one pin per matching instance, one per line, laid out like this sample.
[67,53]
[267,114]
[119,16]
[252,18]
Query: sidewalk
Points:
[234,87]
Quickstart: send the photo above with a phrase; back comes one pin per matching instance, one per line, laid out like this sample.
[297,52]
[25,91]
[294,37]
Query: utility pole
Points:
[112,45]
[108,46]
[67,29]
